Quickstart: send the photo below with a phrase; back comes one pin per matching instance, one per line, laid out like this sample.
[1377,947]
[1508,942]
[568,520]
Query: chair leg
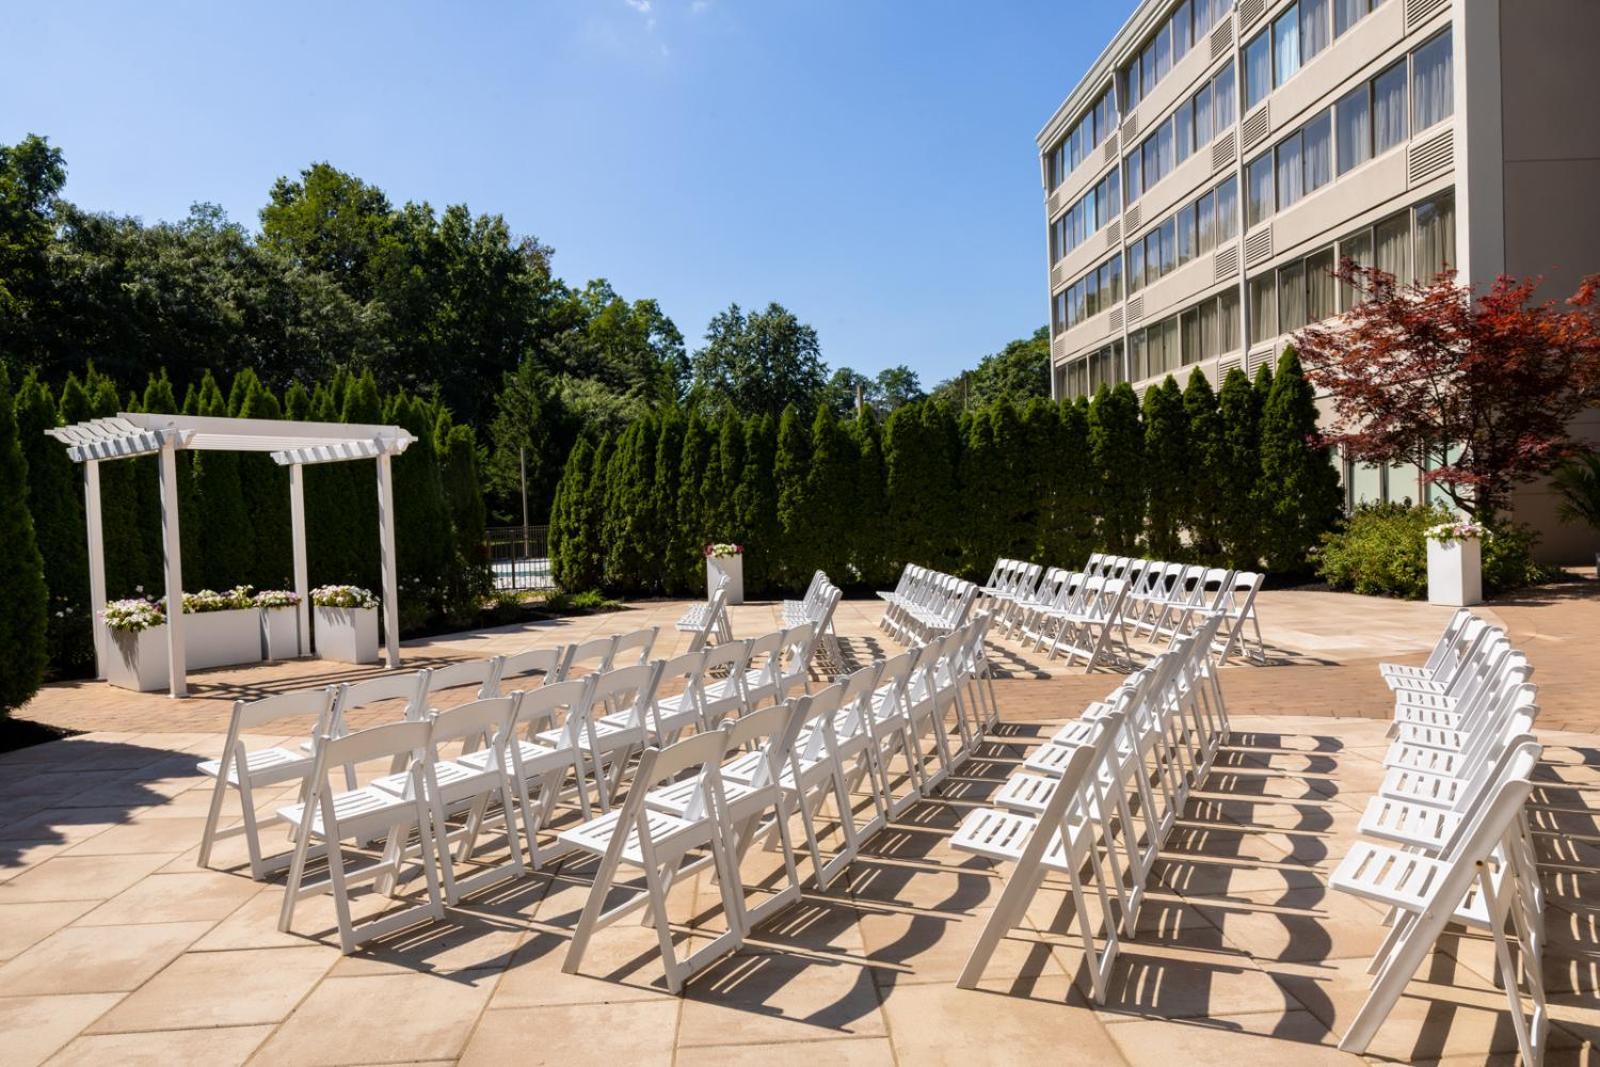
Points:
[214,814]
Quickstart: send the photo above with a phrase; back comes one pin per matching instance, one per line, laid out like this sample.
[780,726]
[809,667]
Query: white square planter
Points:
[222,638]
[349,635]
[137,661]
[733,567]
[280,633]
[1455,572]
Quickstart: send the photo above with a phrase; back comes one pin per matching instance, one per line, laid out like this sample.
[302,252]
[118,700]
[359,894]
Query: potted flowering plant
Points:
[280,623]
[725,560]
[1455,563]
[137,652]
[230,633]
[346,626]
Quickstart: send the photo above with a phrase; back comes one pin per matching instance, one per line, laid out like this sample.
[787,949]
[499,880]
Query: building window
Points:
[1227,210]
[1317,147]
[1313,28]
[1229,338]
[1206,224]
[1319,286]
[1358,248]
[1391,240]
[1187,237]
[1263,307]
[1222,98]
[1389,108]
[1347,13]
[1133,175]
[1292,296]
[1189,324]
[1085,135]
[1291,186]
[1432,85]
[1183,129]
[1355,128]
[1257,69]
[1286,45]
[1436,236]
[1258,189]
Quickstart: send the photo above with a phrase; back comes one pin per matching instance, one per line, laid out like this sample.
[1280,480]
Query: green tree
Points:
[574,539]
[723,471]
[664,486]
[1299,491]
[630,526]
[424,544]
[796,557]
[1166,469]
[761,362]
[1070,533]
[55,499]
[827,529]
[689,533]
[757,503]
[1116,449]
[266,490]
[24,609]
[986,493]
[32,174]
[1204,504]
[870,547]
[1019,371]
[470,577]
[127,563]
[226,534]
[1238,470]
[358,513]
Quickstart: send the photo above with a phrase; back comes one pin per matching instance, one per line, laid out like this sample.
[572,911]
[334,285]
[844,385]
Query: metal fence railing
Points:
[520,557]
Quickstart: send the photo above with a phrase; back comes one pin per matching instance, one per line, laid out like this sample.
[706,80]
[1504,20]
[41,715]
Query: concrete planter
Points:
[733,567]
[137,661]
[349,635]
[280,633]
[1455,572]
[222,638]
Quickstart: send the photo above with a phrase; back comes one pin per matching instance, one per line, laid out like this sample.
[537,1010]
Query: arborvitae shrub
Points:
[1166,463]
[24,605]
[1203,505]
[1299,490]
[1116,448]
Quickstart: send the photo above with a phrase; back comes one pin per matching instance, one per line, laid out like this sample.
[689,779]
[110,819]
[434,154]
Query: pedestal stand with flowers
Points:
[725,560]
[280,623]
[346,627]
[231,632]
[1455,563]
[137,650]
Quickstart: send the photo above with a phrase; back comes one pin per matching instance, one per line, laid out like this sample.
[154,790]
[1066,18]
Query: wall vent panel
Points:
[1113,233]
[1250,10]
[1221,39]
[1433,156]
[1115,323]
[1222,152]
[1258,246]
[1225,264]
[1420,11]
[1256,127]
[1131,217]
[1111,147]
[1135,308]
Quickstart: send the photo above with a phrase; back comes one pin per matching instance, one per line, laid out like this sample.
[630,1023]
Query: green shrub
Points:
[1382,550]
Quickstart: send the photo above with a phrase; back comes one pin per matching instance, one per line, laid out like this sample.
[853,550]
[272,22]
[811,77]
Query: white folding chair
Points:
[633,648]
[722,689]
[520,668]
[246,771]
[365,813]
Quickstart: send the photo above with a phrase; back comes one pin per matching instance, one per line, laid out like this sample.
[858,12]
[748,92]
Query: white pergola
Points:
[291,444]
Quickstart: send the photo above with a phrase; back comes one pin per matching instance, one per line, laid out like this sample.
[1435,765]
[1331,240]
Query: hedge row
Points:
[234,507]
[1233,477]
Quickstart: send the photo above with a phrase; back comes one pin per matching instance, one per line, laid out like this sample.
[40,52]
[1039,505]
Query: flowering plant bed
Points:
[280,623]
[1464,530]
[277,598]
[343,596]
[206,600]
[132,616]
[346,626]
[723,550]
[725,561]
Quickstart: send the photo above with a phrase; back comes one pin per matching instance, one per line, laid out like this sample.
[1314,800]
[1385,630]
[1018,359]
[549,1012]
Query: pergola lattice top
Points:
[130,433]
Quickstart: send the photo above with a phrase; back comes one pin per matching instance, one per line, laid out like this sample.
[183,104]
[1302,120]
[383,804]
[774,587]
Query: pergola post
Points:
[386,562]
[172,559]
[297,524]
[97,562]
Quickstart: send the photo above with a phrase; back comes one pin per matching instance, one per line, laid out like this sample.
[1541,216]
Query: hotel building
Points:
[1218,158]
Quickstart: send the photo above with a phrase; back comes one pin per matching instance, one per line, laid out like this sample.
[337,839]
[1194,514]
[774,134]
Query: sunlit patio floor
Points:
[117,948]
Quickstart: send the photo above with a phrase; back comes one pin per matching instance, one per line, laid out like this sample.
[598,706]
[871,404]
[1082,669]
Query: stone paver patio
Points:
[115,947]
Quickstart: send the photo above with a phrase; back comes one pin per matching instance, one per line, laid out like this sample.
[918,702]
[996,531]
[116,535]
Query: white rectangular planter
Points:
[222,638]
[1455,572]
[349,635]
[280,633]
[137,661]
[733,567]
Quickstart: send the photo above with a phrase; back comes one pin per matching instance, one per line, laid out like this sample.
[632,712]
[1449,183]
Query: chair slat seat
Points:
[354,809]
[264,766]
[1409,824]
[665,829]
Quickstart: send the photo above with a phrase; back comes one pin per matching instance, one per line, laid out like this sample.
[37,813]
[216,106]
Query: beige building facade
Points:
[1218,159]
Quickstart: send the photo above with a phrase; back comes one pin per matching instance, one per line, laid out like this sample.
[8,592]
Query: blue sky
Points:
[868,164]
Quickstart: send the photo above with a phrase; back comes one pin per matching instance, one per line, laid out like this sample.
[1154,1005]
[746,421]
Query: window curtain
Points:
[1313,27]
[1347,13]
[1222,99]
[1317,141]
[1206,223]
[1292,296]
[1286,45]
[1257,69]
[1389,107]
[1228,337]
[1263,307]
[1319,286]
[1432,82]
[1228,210]
[1260,189]
[1358,248]
[1391,239]
[1355,129]
[1208,330]
[1291,176]
[1436,237]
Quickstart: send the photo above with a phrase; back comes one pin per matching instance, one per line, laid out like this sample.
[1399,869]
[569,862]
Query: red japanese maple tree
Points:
[1479,391]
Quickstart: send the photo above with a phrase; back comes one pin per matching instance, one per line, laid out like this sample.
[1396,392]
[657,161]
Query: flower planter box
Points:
[280,633]
[1455,572]
[733,567]
[222,638]
[137,661]
[349,635]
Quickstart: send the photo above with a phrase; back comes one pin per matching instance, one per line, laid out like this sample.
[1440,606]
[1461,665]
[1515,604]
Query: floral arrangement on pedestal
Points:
[723,549]
[343,596]
[133,615]
[1462,530]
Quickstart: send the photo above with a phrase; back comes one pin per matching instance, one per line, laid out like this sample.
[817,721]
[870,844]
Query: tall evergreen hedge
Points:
[24,606]
[1299,491]
[1166,469]
[1116,448]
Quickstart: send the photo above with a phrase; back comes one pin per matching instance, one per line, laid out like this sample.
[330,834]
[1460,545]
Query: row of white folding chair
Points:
[926,603]
[1157,584]
[1445,654]
[1011,580]
[806,608]
[1072,810]
[1087,619]
[327,708]
[708,621]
